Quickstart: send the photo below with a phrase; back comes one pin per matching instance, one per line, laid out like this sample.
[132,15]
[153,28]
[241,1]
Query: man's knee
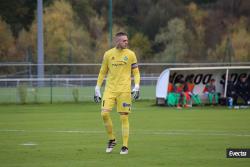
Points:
[123,113]
[105,112]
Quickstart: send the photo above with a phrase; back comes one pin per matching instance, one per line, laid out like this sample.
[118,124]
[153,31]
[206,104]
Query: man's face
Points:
[243,79]
[122,42]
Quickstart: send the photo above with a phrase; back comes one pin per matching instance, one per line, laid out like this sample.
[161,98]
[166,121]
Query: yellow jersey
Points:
[118,64]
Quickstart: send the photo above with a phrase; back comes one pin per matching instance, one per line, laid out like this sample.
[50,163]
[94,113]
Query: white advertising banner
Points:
[200,77]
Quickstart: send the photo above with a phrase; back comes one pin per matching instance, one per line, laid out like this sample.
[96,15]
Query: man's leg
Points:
[245,98]
[178,100]
[125,128]
[108,124]
[196,99]
[108,102]
[193,97]
[216,96]
[109,129]
[248,98]
[124,108]
[171,99]
[184,99]
[236,96]
[187,101]
[125,132]
[210,98]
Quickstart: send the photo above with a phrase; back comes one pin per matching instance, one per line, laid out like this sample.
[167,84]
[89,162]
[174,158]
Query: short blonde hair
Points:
[121,34]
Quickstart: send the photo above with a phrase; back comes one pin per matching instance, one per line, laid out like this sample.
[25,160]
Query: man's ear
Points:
[117,40]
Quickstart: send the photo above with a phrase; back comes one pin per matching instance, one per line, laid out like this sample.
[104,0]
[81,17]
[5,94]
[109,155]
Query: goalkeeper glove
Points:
[97,96]
[136,92]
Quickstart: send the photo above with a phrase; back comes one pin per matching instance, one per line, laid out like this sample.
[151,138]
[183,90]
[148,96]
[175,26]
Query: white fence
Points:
[49,90]
[70,82]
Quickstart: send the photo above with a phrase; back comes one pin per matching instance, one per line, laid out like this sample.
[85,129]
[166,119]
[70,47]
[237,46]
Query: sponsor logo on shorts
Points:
[126,105]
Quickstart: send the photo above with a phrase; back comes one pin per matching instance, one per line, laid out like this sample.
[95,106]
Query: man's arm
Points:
[101,76]
[137,78]
[136,74]
[102,73]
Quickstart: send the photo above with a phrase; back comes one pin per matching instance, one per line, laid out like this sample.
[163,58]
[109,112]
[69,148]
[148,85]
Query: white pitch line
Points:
[78,131]
[28,144]
[143,132]
[51,131]
[196,134]
[11,130]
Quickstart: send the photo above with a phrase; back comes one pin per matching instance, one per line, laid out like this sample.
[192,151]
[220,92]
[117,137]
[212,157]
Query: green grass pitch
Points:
[72,135]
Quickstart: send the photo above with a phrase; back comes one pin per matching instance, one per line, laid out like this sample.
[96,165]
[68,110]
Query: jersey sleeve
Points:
[103,71]
[135,71]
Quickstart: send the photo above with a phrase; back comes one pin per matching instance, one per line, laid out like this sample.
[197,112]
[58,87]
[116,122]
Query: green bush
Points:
[22,93]
[75,93]
[34,92]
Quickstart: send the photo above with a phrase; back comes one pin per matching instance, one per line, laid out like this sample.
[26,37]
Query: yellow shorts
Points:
[121,99]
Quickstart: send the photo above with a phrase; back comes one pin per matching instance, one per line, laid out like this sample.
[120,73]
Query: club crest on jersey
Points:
[125,58]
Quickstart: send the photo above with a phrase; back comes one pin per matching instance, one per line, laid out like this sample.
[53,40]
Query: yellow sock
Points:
[108,124]
[125,129]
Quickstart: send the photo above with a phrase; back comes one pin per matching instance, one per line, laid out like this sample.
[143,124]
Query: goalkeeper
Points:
[118,64]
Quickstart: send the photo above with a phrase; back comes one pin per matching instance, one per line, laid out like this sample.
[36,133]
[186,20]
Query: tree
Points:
[241,45]
[65,41]
[6,41]
[19,14]
[7,47]
[239,38]
[159,14]
[172,36]
[141,45]
[241,41]
[62,42]
[26,45]
[237,8]
[83,10]
[195,36]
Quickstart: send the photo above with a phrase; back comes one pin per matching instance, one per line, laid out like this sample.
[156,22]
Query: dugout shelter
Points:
[200,76]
